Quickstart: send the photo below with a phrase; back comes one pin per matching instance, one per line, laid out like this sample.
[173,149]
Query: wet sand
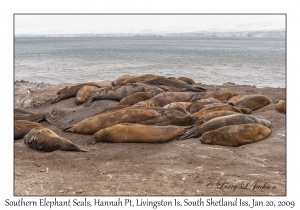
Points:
[173,168]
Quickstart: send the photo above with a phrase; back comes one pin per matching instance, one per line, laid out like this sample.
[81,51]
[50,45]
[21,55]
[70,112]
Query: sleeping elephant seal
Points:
[119,92]
[187,80]
[211,115]
[121,79]
[137,97]
[236,135]
[44,139]
[30,117]
[281,106]
[221,96]
[93,124]
[175,83]
[252,102]
[139,79]
[84,93]
[163,99]
[23,127]
[223,121]
[135,133]
[71,91]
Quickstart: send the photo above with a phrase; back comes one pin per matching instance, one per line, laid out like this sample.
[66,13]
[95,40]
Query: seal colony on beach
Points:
[146,111]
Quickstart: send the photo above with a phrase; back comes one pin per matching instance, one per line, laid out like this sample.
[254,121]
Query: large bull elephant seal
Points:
[44,139]
[236,135]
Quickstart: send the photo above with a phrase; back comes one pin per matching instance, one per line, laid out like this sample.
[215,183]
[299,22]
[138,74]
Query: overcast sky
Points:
[80,24]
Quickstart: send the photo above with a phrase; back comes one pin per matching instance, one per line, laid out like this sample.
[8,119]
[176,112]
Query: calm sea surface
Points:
[250,61]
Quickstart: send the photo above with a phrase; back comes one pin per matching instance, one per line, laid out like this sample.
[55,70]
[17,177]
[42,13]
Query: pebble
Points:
[43,170]
[79,191]
[61,191]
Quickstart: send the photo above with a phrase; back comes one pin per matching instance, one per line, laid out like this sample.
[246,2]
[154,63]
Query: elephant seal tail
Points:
[187,135]
[92,140]
[80,148]
[200,89]
[55,100]
[68,128]
[88,102]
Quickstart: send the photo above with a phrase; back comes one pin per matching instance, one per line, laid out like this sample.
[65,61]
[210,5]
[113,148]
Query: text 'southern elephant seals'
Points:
[135,133]
[236,135]
[84,93]
[223,121]
[93,124]
[281,106]
[71,91]
[119,92]
[44,139]
[137,97]
[23,127]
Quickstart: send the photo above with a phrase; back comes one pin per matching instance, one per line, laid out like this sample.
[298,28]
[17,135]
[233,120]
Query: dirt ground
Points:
[174,168]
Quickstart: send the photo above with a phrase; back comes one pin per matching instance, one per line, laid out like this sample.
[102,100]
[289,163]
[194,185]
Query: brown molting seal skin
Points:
[223,121]
[236,135]
[135,133]
[44,139]
[93,124]
[119,92]
[71,91]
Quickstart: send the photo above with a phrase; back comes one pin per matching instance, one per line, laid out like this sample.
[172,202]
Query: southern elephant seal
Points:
[252,102]
[137,97]
[121,79]
[44,139]
[22,127]
[236,135]
[163,99]
[84,93]
[281,106]
[221,122]
[30,117]
[93,124]
[119,92]
[221,96]
[175,83]
[211,115]
[71,91]
[136,133]
[187,80]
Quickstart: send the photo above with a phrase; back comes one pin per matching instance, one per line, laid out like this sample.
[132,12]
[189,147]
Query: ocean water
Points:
[247,61]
